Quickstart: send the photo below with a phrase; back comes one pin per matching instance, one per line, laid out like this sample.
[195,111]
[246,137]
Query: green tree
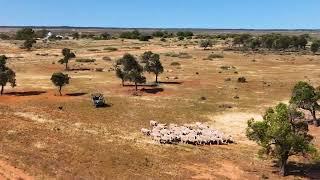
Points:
[75,35]
[28,44]
[206,43]
[315,46]
[41,33]
[7,75]
[59,79]
[105,36]
[131,70]
[67,56]
[152,63]
[25,34]
[281,134]
[305,96]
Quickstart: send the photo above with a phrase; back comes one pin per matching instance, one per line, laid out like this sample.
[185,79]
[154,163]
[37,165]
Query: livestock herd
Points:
[195,134]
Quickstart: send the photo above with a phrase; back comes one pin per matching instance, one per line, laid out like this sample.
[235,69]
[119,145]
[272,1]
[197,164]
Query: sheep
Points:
[146,131]
[153,123]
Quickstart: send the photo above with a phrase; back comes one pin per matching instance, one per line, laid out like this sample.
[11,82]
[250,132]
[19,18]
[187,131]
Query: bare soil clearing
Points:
[81,142]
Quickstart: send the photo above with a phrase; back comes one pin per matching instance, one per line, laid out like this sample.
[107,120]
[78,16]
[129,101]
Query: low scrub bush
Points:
[83,60]
[106,58]
[175,64]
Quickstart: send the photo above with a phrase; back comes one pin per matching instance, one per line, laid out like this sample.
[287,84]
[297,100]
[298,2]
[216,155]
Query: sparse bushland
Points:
[152,63]
[59,79]
[67,56]
[282,133]
[7,75]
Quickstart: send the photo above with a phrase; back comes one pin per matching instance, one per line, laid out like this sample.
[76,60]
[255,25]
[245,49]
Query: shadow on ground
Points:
[152,90]
[25,93]
[310,171]
[76,94]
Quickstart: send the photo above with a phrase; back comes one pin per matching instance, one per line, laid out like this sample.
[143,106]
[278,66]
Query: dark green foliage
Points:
[75,35]
[7,75]
[67,56]
[4,36]
[59,79]
[180,38]
[25,34]
[41,33]
[162,34]
[128,69]
[206,43]
[281,134]
[306,97]
[105,36]
[185,34]
[315,46]
[130,35]
[28,44]
[152,63]
[144,38]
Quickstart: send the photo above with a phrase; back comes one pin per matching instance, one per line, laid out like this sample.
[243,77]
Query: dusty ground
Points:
[40,141]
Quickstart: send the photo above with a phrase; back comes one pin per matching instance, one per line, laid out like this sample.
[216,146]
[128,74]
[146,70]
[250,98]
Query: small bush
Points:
[106,58]
[93,50]
[175,64]
[181,55]
[242,80]
[110,49]
[83,60]
[227,67]
[214,56]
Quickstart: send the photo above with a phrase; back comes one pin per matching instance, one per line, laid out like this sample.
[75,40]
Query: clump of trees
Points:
[59,80]
[306,97]
[185,34]
[162,34]
[207,43]
[152,63]
[7,75]
[271,41]
[129,69]
[28,35]
[67,55]
[282,133]
[135,34]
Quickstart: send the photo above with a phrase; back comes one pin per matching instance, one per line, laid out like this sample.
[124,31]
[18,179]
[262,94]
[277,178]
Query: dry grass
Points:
[80,141]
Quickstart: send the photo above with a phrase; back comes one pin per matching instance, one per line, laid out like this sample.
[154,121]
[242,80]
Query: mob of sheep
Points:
[195,134]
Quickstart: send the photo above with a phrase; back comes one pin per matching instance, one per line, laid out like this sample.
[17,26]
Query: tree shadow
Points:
[76,94]
[105,105]
[152,91]
[79,69]
[141,85]
[169,82]
[303,170]
[25,93]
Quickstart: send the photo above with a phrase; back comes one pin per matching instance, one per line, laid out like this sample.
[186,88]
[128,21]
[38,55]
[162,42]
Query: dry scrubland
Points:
[83,142]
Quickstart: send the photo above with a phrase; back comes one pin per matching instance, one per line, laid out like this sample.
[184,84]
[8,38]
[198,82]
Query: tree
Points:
[25,34]
[152,63]
[206,43]
[305,96]
[59,79]
[7,75]
[105,36]
[29,43]
[120,74]
[75,35]
[41,33]
[281,134]
[315,46]
[131,70]
[67,56]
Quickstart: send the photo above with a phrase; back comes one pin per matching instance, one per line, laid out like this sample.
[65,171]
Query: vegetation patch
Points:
[85,60]
[110,49]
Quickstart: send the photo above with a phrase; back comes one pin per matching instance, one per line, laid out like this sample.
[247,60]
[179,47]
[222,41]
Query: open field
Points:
[42,141]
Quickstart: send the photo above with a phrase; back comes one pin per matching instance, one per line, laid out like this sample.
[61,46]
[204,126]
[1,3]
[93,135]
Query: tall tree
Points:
[152,63]
[67,56]
[25,34]
[131,70]
[59,79]
[306,97]
[7,75]
[282,133]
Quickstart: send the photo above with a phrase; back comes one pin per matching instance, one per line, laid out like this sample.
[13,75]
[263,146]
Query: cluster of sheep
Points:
[196,134]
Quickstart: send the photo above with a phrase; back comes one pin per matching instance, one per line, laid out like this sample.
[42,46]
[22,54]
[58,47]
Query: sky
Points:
[224,14]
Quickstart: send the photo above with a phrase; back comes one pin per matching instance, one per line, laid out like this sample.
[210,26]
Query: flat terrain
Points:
[40,140]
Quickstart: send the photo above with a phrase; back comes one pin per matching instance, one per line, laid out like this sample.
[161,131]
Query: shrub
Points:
[214,56]
[106,58]
[144,38]
[83,60]
[93,50]
[175,64]
[242,80]
[110,49]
